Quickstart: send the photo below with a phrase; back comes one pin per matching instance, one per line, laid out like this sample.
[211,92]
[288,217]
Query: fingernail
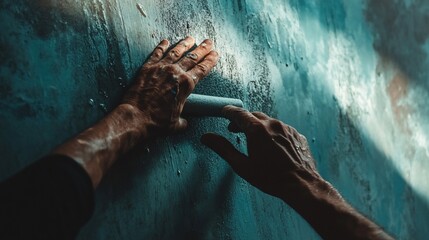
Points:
[225,109]
[208,41]
[217,53]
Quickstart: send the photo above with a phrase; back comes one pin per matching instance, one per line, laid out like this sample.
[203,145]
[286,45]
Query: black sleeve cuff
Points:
[50,199]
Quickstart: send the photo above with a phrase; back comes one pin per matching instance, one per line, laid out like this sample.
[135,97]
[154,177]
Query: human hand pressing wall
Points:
[151,107]
[166,80]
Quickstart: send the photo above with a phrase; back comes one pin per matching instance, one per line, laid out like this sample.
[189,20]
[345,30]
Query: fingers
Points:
[242,118]
[226,150]
[261,115]
[232,127]
[177,52]
[193,58]
[159,51]
[203,68]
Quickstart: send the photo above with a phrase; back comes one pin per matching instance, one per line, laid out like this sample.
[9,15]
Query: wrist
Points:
[309,189]
[133,118]
[320,204]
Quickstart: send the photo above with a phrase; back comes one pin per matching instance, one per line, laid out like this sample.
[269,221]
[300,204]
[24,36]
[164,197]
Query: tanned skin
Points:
[151,106]
[279,161]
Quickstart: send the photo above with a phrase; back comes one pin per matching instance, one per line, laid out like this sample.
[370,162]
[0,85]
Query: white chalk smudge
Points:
[140,8]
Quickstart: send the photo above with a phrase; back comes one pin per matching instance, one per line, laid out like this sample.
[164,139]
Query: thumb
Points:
[179,126]
[226,150]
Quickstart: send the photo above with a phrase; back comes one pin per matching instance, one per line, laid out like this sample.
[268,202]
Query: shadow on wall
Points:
[357,167]
[378,188]
[401,33]
[186,212]
[399,27]
[154,202]
[126,205]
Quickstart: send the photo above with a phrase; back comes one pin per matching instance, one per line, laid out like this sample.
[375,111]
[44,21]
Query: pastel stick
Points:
[208,106]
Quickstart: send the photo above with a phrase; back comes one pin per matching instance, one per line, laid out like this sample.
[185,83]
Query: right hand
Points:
[279,161]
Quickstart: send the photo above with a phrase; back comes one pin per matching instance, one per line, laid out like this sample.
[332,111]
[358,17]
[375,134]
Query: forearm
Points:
[98,147]
[330,215]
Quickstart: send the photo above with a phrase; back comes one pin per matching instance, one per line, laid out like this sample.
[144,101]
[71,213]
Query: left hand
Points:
[166,80]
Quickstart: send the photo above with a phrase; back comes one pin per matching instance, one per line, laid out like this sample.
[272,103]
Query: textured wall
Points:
[351,75]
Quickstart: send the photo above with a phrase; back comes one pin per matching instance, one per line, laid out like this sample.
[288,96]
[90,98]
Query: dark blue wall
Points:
[351,75]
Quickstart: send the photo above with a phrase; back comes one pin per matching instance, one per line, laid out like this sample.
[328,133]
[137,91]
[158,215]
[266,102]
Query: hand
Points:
[152,105]
[166,80]
[279,161]
[280,164]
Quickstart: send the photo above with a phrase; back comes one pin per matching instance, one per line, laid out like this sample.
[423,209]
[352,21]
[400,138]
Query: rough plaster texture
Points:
[351,75]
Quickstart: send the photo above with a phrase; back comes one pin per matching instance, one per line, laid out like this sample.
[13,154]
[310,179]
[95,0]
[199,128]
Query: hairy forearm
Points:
[330,215]
[97,148]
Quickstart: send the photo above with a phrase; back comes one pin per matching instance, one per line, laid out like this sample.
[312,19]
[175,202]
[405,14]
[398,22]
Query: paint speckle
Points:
[103,107]
[104,94]
[140,8]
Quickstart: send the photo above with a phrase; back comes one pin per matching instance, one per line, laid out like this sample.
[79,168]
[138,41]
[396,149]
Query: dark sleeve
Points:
[50,199]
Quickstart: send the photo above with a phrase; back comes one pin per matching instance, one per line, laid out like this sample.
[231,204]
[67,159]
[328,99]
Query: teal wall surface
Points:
[352,76]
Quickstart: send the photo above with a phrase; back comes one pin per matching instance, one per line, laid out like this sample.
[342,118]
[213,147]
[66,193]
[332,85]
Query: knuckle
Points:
[203,68]
[169,68]
[177,69]
[160,48]
[256,126]
[277,124]
[173,69]
[234,112]
[184,77]
[293,130]
[148,68]
[189,61]
[157,54]
[188,84]
[258,113]
[175,52]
